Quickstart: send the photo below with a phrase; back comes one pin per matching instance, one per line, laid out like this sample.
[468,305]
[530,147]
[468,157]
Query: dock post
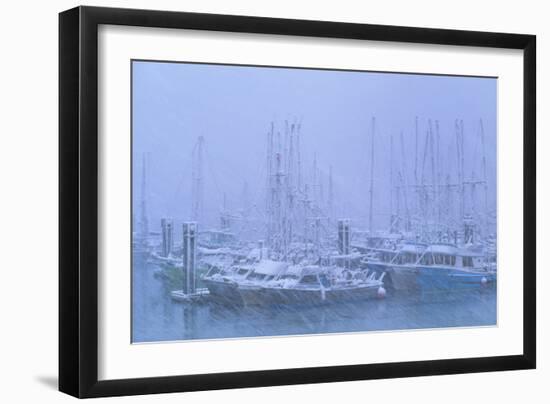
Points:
[167,226]
[344,239]
[189,257]
[261,247]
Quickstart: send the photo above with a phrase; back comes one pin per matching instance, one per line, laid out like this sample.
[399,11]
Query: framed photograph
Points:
[250,201]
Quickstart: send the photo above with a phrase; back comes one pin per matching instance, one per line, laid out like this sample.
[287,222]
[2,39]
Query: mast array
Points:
[438,188]
[431,196]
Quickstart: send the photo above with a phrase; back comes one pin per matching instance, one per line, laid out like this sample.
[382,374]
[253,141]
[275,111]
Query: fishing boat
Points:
[225,283]
[222,282]
[251,287]
[448,267]
[442,267]
[312,284]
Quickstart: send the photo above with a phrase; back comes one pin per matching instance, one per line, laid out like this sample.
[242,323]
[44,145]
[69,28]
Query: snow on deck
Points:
[268,267]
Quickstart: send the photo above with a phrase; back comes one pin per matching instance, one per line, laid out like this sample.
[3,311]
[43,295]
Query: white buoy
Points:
[483,281]
[381,292]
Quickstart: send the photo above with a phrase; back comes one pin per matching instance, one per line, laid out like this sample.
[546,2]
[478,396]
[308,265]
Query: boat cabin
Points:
[266,270]
[311,276]
[450,255]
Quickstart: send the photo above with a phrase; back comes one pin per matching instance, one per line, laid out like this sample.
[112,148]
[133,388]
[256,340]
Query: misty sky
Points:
[233,107]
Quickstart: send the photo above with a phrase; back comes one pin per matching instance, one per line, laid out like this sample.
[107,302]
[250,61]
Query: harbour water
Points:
[156,317]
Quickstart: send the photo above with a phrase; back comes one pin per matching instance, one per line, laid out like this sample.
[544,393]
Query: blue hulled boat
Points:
[443,266]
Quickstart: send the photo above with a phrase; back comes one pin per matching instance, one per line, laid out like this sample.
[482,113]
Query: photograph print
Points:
[274,201]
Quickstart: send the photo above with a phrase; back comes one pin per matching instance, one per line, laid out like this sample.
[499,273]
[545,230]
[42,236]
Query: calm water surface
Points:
[156,317]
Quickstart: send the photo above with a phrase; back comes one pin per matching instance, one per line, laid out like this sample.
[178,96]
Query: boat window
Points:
[467,262]
[256,276]
[450,260]
[309,280]
[406,258]
[242,271]
[213,271]
[427,259]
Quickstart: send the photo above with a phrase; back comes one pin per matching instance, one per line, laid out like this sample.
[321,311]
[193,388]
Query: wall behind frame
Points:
[28,207]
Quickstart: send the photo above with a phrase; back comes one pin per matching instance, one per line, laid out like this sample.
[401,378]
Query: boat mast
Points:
[391,184]
[460,168]
[371,191]
[484,168]
[417,198]
[463,175]
[400,189]
[197,189]
[438,170]
[278,186]
[432,161]
[406,188]
[423,187]
[306,202]
[298,157]
[290,185]
[270,193]
[144,223]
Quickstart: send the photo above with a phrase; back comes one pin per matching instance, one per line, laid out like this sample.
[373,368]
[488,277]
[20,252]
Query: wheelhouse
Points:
[451,256]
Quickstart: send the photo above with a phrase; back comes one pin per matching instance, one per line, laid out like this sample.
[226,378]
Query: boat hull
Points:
[253,296]
[438,278]
[403,278]
[223,291]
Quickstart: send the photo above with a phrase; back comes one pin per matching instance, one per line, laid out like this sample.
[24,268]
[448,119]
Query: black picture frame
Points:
[78,200]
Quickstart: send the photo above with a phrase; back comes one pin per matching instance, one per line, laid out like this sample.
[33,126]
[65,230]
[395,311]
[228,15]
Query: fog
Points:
[233,107]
